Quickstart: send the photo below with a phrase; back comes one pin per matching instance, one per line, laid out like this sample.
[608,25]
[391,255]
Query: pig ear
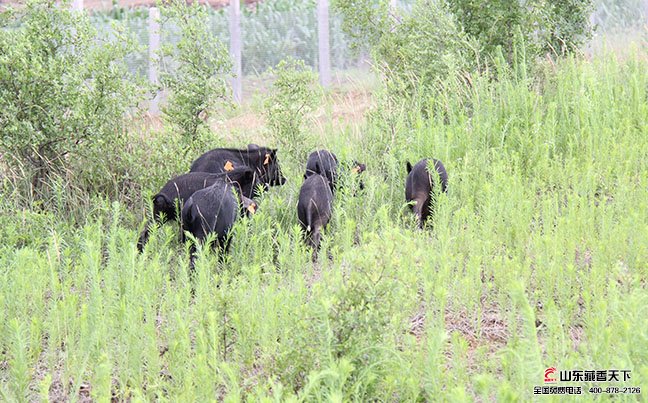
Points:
[317,167]
[409,167]
[270,156]
[160,201]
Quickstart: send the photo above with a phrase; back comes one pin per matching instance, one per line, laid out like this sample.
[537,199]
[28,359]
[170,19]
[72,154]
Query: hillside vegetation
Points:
[538,258]
[537,255]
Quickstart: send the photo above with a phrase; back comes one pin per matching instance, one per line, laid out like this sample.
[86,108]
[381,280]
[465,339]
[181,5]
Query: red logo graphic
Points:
[548,372]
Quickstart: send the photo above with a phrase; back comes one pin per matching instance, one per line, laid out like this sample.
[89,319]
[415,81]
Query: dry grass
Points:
[343,106]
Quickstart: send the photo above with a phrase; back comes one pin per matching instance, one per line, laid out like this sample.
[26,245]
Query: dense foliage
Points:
[294,95]
[519,274]
[196,69]
[558,27]
[63,89]
[537,256]
[437,40]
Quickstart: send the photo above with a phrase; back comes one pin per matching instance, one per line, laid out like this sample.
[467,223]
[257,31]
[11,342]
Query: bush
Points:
[491,26]
[62,88]
[427,46]
[558,26]
[567,25]
[436,40]
[195,69]
[294,95]
[414,50]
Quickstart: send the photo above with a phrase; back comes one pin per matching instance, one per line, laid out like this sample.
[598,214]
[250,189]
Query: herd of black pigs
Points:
[222,184]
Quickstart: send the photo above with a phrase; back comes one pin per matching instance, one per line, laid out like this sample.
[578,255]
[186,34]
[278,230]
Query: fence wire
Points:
[268,36]
[273,30]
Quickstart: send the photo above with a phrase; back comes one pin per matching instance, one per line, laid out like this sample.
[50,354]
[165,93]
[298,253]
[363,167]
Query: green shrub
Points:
[412,50]
[567,25]
[492,25]
[426,47]
[62,88]
[195,69]
[293,96]
[132,166]
[435,41]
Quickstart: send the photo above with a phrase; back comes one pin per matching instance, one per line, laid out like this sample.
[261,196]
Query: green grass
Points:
[538,258]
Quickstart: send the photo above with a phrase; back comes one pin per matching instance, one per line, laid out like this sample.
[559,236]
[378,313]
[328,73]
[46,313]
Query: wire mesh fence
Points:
[270,32]
[273,30]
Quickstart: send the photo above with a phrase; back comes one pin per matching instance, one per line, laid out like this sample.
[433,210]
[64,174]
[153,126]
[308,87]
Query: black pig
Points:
[314,208]
[419,186]
[214,210]
[262,160]
[176,191]
[325,163]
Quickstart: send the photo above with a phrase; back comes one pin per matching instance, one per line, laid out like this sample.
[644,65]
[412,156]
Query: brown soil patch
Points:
[345,104]
[492,330]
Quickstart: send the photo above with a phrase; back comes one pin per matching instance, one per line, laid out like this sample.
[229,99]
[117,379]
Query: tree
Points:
[61,87]
[195,69]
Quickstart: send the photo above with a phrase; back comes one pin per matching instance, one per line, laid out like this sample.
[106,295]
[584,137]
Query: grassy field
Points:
[538,258]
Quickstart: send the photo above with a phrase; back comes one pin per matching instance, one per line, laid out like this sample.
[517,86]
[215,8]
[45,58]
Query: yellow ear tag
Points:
[252,208]
[229,166]
[267,160]
[356,170]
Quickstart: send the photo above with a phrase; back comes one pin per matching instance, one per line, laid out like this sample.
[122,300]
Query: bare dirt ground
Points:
[343,106]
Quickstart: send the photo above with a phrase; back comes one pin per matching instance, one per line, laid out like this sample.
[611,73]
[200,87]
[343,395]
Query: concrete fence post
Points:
[236,48]
[323,42]
[154,55]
